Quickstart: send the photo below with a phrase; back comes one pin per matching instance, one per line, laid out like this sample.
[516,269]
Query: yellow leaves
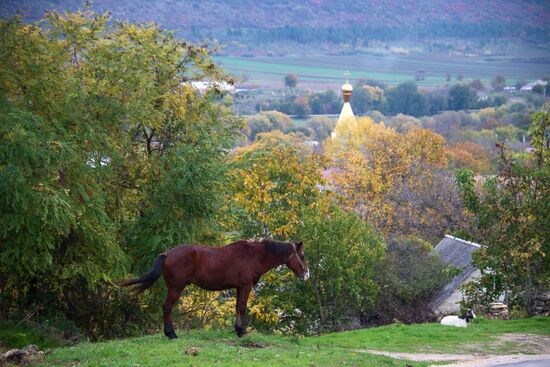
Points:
[274,181]
[371,163]
[206,309]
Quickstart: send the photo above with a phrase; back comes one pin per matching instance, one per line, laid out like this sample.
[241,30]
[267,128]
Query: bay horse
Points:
[238,265]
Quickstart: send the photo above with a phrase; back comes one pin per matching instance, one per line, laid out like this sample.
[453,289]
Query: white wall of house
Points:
[451,304]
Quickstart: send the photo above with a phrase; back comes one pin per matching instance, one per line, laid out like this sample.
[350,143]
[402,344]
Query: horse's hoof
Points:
[241,332]
[170,333]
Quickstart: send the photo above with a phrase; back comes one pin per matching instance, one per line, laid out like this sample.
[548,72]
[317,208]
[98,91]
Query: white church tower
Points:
[346,115]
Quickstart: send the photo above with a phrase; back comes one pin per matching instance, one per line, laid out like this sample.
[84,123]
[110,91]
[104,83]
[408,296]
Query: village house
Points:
[458,253]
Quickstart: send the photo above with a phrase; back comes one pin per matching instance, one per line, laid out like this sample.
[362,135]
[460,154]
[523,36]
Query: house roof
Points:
[529,86]
[458,253]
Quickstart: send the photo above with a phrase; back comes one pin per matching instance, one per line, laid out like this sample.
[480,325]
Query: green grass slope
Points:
[223,348]
[433,337]
[215,348]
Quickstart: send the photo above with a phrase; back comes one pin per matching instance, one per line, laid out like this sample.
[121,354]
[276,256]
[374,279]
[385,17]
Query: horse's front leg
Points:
[242,299]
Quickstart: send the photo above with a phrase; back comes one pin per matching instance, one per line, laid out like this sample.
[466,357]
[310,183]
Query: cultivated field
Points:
[321,71]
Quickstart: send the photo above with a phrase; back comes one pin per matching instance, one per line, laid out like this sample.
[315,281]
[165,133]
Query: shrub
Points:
[407,277]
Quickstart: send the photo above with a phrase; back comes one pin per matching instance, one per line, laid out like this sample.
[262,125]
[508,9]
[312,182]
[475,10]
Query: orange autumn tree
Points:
[470,155]
[398,182]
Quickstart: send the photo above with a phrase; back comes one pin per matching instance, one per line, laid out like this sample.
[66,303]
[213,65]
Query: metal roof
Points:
[458,253]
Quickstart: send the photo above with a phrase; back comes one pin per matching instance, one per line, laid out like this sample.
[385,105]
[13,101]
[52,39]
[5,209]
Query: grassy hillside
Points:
[222,348]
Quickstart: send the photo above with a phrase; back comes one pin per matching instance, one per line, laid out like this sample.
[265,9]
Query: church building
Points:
[346,115]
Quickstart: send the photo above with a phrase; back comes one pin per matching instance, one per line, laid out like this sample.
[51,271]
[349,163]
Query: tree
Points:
[498,83]
[300,106]
[477,84]
[361,101]
[267,121]
[321,126]
[272,180]
[407,276]
[406,99]
[437,100]
[511,221]
[461,97]
[520,83]
[470,155]
[376,169]
[403,123]
[291,80]
[325,103]
[342,253]
[539,89]
[116,158]
[366,98]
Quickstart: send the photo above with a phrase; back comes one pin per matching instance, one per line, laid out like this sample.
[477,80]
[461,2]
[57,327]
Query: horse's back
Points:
[212,268]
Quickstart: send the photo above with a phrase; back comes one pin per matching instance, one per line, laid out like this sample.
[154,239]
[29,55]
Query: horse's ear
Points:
[299,245]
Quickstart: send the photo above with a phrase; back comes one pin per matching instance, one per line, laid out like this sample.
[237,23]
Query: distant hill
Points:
[333,21]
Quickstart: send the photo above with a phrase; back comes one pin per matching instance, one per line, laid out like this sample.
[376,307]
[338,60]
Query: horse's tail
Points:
[146,280]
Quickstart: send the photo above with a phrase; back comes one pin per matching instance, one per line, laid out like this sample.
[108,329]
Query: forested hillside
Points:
[307,21]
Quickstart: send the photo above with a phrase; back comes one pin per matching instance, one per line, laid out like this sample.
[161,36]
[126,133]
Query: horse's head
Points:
[297,261]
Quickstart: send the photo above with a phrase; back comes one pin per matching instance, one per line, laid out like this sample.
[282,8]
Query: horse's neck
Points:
[269,261]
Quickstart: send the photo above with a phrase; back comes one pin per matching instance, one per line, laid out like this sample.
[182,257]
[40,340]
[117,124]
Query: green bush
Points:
[406,277]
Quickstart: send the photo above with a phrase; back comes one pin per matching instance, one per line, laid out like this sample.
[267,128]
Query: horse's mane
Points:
[278,248]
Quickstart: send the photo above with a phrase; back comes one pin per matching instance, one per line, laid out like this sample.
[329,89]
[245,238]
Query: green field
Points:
[223,348]
[322,71]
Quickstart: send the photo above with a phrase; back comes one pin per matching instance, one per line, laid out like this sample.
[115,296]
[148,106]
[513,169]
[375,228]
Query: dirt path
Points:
[471,360]
[485,354]
[421,356]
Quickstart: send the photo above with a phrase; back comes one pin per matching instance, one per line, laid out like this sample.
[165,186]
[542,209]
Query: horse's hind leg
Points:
[171,298]
[242,299]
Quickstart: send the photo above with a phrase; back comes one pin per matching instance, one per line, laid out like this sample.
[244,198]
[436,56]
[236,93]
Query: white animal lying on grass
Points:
[458,321]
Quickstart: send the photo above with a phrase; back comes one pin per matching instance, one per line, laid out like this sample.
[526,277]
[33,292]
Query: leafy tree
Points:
[477,85]
[321,126]
[461,97]
[268,121]
[539,89]
[361,101]
[407,276]
[498,83]
[366,98]
[511,220]
[437,101]
[403,123]
[342,252]
[370,82]
[325,103]
[300,106]
[291,80]
[406,99]
[520,83]
[101,131]
[377,169]
[470,155]
[272,181]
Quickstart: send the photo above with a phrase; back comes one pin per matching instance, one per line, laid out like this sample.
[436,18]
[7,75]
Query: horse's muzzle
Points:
[305,276]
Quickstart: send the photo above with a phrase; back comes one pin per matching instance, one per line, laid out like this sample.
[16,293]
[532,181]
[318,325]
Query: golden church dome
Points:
[347,87]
